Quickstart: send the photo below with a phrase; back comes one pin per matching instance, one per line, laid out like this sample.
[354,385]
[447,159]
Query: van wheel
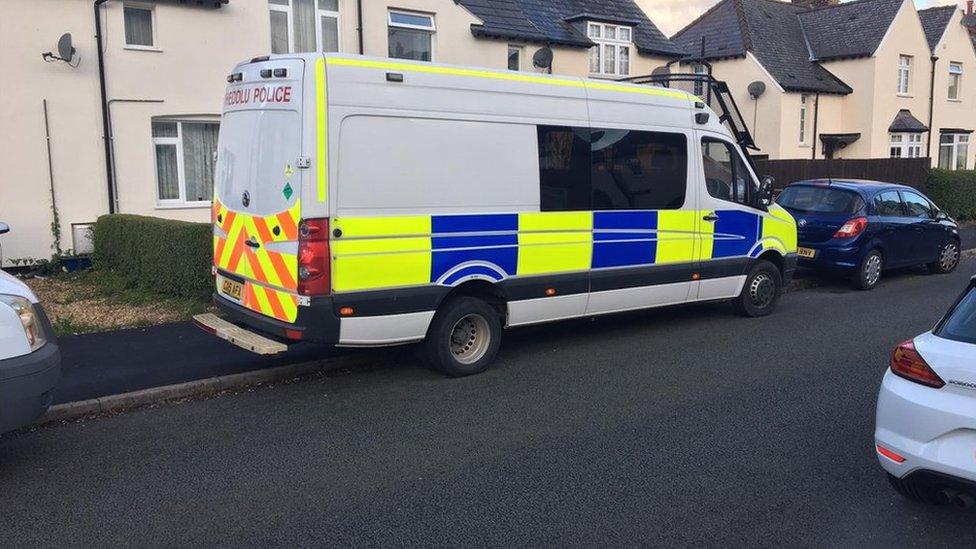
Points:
[869,271]
[948,259]
[762,290]
[464,337]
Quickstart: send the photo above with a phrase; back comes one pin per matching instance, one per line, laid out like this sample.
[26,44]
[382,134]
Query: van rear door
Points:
[258,184]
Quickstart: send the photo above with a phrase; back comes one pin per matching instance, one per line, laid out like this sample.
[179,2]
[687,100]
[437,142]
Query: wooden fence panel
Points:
[906,171]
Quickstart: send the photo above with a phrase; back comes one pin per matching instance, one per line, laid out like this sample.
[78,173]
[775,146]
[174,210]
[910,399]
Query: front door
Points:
[895,228]
[928,235]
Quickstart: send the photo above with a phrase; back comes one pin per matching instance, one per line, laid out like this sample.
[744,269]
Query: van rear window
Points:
[823,200]
[960,324]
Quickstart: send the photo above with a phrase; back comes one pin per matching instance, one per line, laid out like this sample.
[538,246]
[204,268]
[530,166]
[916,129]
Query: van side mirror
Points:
[766,190]
[4,228]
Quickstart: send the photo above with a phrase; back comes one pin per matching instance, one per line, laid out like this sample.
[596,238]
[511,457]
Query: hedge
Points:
[954,192]
[162,256]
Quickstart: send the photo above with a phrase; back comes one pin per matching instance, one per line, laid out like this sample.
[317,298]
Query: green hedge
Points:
[954,192]
[163,256]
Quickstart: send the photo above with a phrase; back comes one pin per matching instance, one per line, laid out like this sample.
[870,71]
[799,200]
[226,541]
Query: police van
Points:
[370,202]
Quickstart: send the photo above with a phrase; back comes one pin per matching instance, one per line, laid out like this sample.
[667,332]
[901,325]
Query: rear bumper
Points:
[934,430]
[317,323]
[26,385]
[831,258]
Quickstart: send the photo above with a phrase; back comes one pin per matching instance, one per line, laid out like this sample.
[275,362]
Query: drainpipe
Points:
[106,131]
[928,150]
[816,122]
[359,9]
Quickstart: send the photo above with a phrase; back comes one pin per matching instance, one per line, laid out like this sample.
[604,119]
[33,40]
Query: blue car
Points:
[861,228]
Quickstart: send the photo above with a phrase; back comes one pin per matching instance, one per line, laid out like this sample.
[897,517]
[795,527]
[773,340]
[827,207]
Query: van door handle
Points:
[711,217]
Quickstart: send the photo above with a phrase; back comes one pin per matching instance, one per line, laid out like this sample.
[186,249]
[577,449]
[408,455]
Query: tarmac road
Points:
[685,426]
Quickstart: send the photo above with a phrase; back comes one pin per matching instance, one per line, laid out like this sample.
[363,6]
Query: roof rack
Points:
[714,93]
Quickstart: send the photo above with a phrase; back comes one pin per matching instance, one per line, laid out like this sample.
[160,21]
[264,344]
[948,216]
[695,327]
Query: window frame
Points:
[751,194]
[153,26]
[288,10]
[181,201]
[905,65]
[431,31]
[520,50]
[804,118]
[955,81]
[907,143]
[601,43]
[959,141]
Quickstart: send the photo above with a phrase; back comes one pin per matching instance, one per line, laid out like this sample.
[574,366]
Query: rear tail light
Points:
[907,363]
[314,271]
[852,228]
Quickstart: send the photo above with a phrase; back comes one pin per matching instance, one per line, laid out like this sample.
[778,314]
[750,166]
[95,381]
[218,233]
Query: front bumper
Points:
[26,386]
[934,430]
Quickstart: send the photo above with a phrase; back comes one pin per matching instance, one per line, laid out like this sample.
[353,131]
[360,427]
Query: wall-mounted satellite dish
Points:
[542,59]
[663,70]
[66,51]
[757,89]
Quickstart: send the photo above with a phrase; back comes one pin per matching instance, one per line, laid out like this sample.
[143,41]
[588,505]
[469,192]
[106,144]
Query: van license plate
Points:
[806,253]
[232,288]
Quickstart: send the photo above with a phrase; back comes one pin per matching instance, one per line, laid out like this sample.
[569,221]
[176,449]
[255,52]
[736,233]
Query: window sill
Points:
[906,96]
[183,205]
[954,100]
[142,48]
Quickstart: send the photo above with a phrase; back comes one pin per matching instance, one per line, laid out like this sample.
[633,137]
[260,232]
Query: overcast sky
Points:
[672,15]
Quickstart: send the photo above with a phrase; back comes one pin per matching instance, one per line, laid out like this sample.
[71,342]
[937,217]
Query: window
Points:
[960,323]
[905,145]
[138,21]
[304,25]
[916,206]
[514,58]
[954,151]
[888,204]
[611,54]
[635,170]
[411,35]
[185,155]
[726,174]
[803,118]
[904,74]
[564,169]
[825,200]
[955,80]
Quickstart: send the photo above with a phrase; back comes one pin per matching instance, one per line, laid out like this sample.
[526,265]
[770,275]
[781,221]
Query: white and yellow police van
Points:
[372,202]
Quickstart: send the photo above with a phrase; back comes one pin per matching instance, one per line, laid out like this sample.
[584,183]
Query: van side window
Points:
[636,170]
[888,204]
[726,174]
[564,168]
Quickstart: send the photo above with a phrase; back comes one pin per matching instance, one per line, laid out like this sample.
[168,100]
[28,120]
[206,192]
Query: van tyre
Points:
[869,271]
[948,258]
[761,292]
[464,337]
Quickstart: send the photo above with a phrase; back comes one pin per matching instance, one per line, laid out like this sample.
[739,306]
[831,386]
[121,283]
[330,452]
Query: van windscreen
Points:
[256,153]
[823,200]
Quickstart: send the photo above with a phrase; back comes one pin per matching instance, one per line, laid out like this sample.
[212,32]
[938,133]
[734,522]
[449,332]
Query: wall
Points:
[764,116]
[955,46]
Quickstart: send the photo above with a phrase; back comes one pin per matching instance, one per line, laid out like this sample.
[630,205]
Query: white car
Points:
[30,361]
[925,435]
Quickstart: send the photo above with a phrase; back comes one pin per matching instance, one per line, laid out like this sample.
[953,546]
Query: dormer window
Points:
[611,54]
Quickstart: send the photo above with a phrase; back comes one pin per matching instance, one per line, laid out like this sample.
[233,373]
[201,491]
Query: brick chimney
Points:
[815,3]
[970,19]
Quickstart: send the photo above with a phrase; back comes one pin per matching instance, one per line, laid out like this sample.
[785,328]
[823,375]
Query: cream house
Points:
[144,144]
[864,79]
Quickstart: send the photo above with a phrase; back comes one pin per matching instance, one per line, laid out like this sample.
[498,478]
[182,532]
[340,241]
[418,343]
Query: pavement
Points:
[686,426]
[100,365]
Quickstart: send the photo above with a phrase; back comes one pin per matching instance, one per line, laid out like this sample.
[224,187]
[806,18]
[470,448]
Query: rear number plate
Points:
[806,253]
[232,288]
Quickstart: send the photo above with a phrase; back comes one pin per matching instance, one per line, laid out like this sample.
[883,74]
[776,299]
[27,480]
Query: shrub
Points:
[954,192]
[163,256]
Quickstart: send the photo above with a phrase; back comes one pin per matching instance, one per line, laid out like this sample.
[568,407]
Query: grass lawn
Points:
[93,301]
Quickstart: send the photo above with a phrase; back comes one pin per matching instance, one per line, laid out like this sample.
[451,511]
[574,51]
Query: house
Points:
[143,141]
[864,79]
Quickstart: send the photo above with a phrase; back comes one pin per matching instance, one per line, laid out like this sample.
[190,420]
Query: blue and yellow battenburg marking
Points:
[386,252]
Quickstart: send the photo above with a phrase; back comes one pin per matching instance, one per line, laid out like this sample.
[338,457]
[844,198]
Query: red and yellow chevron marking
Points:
[269,269]
[280,305]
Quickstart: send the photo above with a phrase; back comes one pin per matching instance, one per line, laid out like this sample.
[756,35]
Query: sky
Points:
[672,15]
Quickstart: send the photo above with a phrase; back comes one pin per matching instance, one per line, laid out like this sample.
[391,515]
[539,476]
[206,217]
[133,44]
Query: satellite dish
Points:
[542,59]
[66,51]
[756,89]
[663,70]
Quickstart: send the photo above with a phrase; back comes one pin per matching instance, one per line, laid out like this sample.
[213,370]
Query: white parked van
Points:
[367,202]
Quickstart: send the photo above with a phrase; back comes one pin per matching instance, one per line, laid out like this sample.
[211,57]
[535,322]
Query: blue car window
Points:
[916,205]
[960,324]
[888,204]
[825,200]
